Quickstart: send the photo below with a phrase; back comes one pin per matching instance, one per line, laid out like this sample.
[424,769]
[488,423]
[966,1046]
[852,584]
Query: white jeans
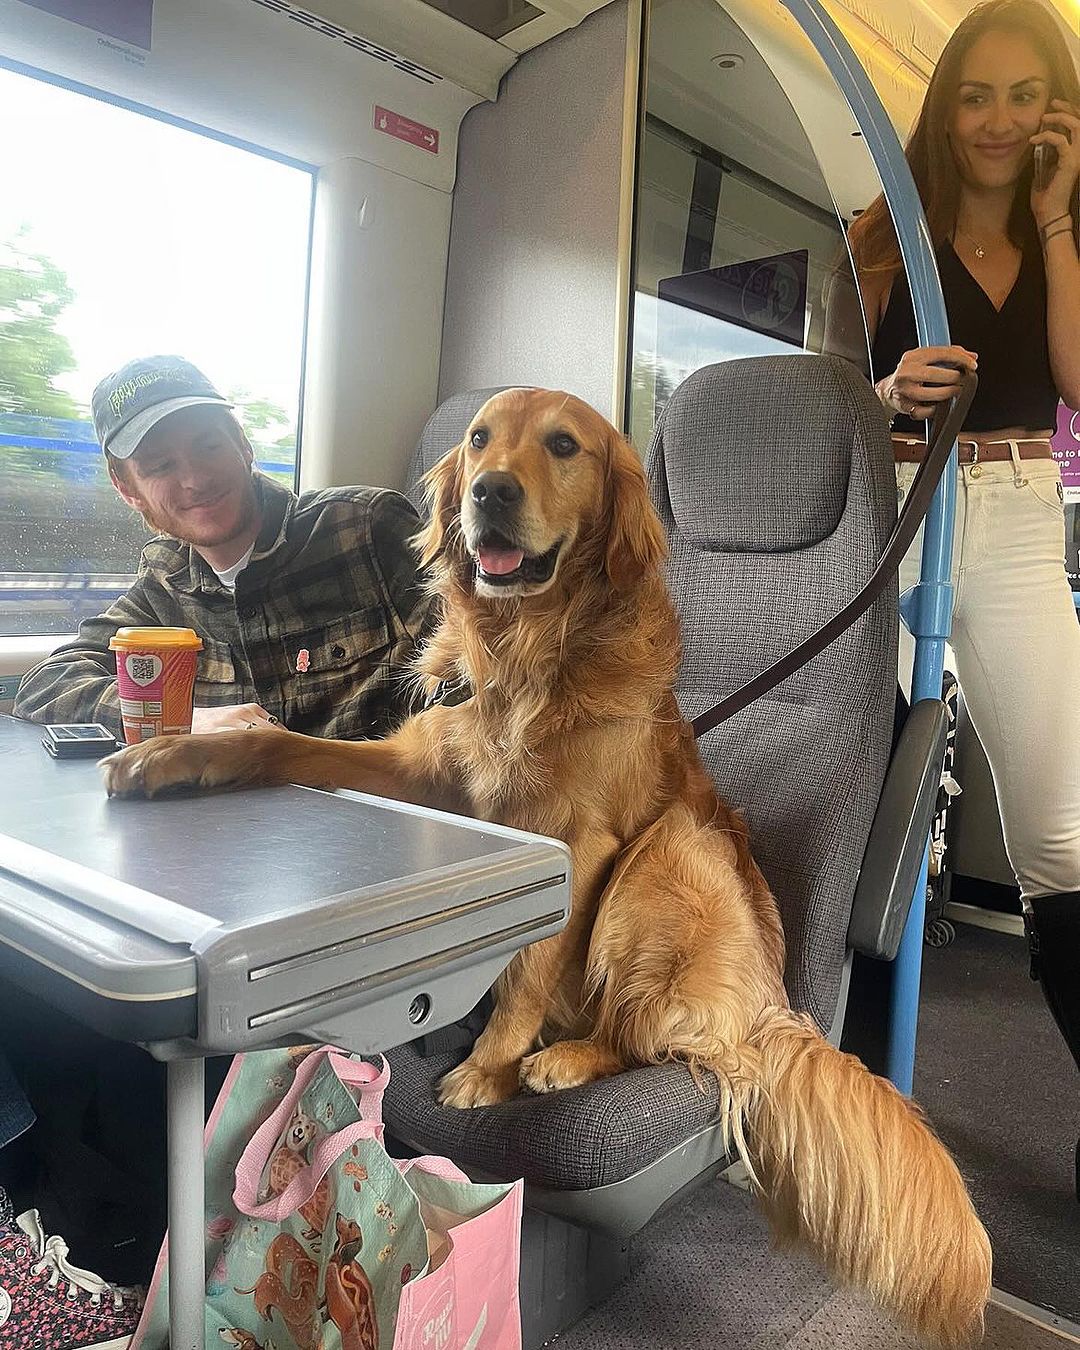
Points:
[1016,643]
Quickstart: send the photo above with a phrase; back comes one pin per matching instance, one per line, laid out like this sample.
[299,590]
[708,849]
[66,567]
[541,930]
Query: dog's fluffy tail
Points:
[847,1166]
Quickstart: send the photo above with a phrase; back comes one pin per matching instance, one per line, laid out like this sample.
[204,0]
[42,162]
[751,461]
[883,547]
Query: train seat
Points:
[774,479]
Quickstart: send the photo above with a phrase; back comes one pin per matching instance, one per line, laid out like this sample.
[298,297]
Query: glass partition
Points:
[740,245]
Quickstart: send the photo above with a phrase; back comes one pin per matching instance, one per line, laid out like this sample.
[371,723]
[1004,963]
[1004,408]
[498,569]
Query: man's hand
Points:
[233,717]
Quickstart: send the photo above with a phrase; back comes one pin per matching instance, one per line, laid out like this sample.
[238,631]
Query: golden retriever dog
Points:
[548,558]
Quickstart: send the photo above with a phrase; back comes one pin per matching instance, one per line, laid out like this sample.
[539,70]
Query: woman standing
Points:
[1006,243]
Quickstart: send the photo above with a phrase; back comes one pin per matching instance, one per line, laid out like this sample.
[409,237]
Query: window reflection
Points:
[739,248]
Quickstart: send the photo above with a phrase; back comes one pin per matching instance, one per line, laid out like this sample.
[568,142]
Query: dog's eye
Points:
[562,444]
[479,438]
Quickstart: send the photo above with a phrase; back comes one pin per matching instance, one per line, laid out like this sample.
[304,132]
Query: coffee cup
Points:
[155,677]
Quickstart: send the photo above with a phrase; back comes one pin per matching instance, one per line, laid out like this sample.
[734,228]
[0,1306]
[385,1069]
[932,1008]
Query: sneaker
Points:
[46,1303]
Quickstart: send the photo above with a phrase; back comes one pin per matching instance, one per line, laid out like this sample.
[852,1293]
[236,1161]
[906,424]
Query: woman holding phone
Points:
[1003,101]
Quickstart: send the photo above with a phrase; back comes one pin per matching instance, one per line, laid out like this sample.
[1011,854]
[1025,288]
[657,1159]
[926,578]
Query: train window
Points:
[738,237]
[128,235]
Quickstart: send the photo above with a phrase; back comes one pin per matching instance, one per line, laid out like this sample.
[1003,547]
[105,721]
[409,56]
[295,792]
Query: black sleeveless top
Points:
[1016,387]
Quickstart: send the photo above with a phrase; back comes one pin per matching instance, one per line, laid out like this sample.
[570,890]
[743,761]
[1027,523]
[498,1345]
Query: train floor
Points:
[705,1278]
[1003,1093]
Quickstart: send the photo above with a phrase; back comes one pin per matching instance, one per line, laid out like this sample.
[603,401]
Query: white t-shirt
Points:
[228,577]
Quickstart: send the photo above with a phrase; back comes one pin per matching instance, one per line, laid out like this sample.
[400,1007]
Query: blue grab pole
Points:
[928,608]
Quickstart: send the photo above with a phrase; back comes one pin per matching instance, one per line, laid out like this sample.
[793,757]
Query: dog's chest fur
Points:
[564,707]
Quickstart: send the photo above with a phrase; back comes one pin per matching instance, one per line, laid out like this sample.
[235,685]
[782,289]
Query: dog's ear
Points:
[636,543]
[442,487]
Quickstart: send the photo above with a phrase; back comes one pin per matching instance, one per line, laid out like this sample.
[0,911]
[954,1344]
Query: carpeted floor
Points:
[704,1278]
[1004,1094]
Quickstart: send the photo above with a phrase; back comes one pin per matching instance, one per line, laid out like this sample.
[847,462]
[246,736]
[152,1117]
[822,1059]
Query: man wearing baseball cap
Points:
[309,607]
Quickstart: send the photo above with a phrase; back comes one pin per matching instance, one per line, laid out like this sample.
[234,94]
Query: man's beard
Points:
[174,526]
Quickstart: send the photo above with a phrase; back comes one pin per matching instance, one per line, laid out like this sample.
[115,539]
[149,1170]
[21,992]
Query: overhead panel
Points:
[493,18]
[898,43]
[471,42]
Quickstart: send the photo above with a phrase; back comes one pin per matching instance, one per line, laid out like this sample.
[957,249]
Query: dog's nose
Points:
[495,491]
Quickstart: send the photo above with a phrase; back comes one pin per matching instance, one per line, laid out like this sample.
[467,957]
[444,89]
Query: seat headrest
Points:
[444,429]
[774,431]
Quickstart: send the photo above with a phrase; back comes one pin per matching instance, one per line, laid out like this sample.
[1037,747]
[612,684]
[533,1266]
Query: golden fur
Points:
[674,946]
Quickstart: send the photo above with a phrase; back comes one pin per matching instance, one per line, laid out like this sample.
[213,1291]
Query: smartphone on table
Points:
[79,740]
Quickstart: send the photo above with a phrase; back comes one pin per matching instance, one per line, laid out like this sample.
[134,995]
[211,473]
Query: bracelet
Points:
[1065,229]
[1043,228]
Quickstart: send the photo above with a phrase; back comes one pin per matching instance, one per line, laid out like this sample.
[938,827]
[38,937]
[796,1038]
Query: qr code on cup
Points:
[142,668]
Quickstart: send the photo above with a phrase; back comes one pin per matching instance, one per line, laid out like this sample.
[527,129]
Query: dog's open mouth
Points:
[501,563]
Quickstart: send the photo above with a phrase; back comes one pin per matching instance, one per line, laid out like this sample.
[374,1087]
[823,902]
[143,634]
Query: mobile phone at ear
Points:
[1046,158]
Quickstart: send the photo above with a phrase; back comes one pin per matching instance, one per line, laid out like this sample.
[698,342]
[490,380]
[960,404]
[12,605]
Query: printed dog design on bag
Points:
[244,1339]
[290,1283]
[350,1299]
[290,1157]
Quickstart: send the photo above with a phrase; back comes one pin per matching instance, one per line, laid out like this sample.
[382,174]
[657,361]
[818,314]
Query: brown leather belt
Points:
[976,452]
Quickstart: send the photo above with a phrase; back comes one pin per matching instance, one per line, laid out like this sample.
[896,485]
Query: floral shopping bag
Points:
[325,1243]
[255,1088]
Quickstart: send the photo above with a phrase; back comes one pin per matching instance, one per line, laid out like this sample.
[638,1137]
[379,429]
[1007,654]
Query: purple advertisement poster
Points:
[126,20]
[1066,447]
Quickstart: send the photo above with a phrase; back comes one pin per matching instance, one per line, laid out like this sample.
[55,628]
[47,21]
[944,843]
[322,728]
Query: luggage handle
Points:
[947,423]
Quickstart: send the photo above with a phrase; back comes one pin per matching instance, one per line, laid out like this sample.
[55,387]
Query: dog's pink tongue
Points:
[496,562]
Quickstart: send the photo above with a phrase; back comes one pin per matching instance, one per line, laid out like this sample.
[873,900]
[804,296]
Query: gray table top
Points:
[228,920]
[199,862]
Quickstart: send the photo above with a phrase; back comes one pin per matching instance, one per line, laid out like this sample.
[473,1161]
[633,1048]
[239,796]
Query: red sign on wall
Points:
[405,129]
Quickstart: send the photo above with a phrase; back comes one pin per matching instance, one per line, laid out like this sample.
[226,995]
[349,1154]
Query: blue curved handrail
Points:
[927,609]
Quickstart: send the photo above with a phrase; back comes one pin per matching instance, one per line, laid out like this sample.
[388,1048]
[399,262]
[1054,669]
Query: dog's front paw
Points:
[567,1064]
[175,762]
[470,1085]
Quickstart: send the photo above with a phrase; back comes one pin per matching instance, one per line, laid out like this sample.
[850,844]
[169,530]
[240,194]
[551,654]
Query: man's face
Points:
[191,478]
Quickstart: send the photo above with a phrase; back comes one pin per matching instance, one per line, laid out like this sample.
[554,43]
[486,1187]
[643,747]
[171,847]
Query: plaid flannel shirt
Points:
[331,575]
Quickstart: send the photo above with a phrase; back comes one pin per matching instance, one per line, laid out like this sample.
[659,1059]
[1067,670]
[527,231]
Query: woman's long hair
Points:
[929,154]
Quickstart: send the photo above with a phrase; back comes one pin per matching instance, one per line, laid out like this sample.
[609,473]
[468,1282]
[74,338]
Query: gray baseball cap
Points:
[134,399]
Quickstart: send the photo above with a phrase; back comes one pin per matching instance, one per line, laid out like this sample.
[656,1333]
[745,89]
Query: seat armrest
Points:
[894,850]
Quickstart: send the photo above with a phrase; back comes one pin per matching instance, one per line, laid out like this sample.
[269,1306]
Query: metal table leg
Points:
[187,1276]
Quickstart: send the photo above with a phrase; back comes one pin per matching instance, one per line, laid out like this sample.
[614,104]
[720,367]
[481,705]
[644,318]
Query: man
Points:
[309,608]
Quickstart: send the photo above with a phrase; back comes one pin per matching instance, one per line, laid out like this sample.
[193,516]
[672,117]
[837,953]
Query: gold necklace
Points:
[980,252]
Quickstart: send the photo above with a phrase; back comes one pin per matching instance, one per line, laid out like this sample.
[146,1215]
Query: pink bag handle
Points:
[304,1185]
[434,1167]
[254,1159]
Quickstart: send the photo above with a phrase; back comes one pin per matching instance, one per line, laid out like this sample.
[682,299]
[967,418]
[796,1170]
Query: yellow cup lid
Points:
[139,639]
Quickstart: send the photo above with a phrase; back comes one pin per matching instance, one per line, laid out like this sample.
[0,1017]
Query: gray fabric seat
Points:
[575,1140]
[444,429]
[774,479]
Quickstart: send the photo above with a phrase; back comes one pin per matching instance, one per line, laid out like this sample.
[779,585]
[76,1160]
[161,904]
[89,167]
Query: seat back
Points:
[443,430]
[774,479]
